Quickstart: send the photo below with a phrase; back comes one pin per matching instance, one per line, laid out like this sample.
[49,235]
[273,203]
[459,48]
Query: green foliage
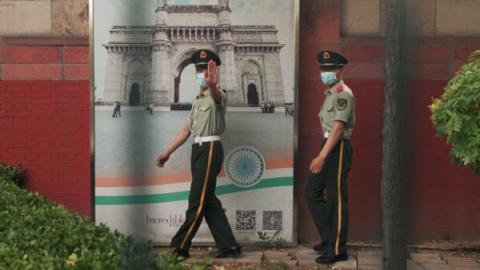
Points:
[271,240]
[15,174]
[280,266]
[168,261]
[38,234]
[456,115]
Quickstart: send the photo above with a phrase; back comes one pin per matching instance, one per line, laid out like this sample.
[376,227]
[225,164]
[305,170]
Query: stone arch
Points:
[136,77]
[252,74]
[181,61]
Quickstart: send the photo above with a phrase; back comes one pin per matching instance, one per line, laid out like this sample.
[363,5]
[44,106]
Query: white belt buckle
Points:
[200,140]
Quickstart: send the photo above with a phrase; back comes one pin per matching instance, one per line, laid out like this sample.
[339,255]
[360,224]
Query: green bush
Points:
[12,173]
[457,115]
[169,262]
[38,234]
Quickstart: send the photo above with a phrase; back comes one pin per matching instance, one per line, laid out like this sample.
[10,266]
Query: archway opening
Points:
[134,97]
[186,88]
[252,95]
[253,91]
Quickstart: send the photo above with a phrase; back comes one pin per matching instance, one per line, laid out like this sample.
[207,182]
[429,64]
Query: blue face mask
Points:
[201,80]
[328,77]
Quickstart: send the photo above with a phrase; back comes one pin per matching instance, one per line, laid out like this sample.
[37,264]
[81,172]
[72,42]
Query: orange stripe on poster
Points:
[175,178]
[279,163]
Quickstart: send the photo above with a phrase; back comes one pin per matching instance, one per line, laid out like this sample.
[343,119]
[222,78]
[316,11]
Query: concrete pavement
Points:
[303,257]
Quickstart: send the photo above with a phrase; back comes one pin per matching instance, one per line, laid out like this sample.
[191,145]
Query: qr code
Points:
[246,220]
[272,220]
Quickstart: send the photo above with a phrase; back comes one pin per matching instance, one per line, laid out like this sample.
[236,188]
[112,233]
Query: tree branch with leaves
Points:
[456,114]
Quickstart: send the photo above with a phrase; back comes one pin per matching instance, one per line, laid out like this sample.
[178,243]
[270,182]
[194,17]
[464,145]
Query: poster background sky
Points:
[108,13]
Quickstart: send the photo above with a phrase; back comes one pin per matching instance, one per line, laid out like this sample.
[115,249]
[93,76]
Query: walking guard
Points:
[206,123]
[326,189]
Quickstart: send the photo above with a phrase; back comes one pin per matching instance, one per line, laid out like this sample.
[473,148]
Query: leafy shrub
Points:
[38,234]
[168,261]
[12,173]
[457,115]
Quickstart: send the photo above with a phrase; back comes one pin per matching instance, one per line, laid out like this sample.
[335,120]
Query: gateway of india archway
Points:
[145,63]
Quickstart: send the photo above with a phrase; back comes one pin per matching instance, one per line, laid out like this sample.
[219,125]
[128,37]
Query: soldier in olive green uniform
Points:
[326,190]
[206,123]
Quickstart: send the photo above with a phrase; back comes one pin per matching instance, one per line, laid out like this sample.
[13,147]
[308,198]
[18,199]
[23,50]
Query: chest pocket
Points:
[330,106]
[202,112]
[204,107]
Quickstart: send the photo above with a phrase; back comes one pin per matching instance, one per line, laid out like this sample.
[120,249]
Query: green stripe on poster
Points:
[183,195]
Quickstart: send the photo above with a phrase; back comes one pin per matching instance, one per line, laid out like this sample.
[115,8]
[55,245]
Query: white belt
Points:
[326,134]
[201,140]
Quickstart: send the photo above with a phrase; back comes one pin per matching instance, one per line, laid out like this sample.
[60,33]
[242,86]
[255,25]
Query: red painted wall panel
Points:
[441,199]
[45,126]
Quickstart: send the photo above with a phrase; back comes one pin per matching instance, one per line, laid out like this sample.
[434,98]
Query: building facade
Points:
[145,63]
[46,111]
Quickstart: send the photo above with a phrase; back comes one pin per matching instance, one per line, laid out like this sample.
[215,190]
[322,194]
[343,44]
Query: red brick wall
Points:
[45,116]
[45,125]
[442,199]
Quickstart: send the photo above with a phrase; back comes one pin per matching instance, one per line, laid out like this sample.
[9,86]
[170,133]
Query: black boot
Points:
[331,258]
[180,253]
[232,252]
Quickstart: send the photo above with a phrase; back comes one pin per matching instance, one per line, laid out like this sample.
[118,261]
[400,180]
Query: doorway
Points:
[134,98]
[252,95]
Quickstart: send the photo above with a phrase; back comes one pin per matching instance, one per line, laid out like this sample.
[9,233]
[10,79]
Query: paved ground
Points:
[303,257]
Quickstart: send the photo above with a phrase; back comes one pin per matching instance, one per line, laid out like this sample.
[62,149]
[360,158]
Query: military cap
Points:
[200,58]
[331,58]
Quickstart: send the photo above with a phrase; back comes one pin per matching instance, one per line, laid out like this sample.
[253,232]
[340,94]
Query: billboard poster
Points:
[144,89]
